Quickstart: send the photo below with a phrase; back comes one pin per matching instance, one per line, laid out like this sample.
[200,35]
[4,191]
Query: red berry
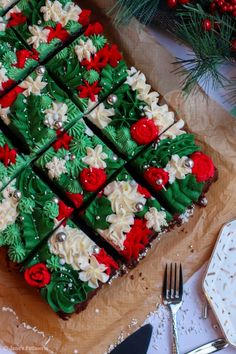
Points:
[233,45]
[206,25]
[172,3]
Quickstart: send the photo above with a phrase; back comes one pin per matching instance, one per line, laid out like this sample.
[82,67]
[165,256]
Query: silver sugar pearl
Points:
[97,217]
[189,163]
[46,122]
[61,236]
[203,201]
[62,261]
[139,207]
[114,157]
[112,99]
[145,167]
[17,195]
[72,157]
[58,125]
[40,70]
[39,22]
[55,200]
[67,157]
[21,218]
[96,249]
[159,181]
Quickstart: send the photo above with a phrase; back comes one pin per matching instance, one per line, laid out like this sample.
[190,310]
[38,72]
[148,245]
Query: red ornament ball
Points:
[206,25]
[172,3]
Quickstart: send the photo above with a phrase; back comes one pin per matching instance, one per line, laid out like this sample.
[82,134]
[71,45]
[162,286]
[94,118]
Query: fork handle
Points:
[175,344]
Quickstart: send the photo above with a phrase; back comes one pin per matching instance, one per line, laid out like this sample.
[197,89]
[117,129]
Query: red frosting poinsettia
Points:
[203,167]
[106,55]
[17,18]
[38,275]
[103,258]
[7,84]
[64,211]
[115,56]
[136,240]
[94,28]
[23,54]
[144,131]
[144,191]
[153,174]
[63,141]
[57,32]
[76,198]
[10,97]
[92,178]
[89,91]
[7,155]
[84,17]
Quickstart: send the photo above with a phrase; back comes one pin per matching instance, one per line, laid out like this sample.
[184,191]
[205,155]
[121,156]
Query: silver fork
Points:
[172,295]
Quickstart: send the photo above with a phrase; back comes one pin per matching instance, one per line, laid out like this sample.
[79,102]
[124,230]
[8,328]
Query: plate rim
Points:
[203,282]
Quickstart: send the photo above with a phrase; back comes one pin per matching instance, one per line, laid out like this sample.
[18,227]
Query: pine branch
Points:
[231,91]
[143,10]
[210,49]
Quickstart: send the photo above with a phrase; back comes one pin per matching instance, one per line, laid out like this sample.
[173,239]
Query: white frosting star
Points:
[39,36]
[33,86]
[4,115]
[93,272]
[124,197]
[100,116]
[8,209]
[52,11]
[57,113]
[160,115]
[155,219]
[84,49]
[174,131]
[56,167]
[176,168]
[95,157]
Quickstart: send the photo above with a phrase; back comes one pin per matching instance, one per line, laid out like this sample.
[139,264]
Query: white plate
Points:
[220,281]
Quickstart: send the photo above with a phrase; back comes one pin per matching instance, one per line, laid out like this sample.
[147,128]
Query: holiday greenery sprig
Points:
[207,26]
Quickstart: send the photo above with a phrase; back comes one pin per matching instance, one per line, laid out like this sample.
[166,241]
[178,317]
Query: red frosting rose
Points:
[103,258]
[63,141]
[92,178]
[144,131]
[38,275]
[76,198]
[203,167]
[136,240]
[153,174]
[144,191]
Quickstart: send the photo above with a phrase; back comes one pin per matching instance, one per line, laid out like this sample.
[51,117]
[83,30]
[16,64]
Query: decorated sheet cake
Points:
[45,25]
[92,130]
[90,68]
[131,117]
[79,163]
[29,212]
[69,269]
[38,111]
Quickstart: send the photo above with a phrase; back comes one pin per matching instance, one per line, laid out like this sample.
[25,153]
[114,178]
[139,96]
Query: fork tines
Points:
[173,283]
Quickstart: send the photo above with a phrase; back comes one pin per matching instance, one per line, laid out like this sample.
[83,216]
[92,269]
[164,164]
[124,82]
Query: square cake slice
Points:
[46,25]
[30,211]
[37,110]
[79,163]
[16,61]
[69,270]
[131,117]
[11,162]
[90,68]
[126,216]
[176,170]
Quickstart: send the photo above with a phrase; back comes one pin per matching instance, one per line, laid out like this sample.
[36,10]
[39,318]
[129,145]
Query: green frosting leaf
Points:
[91,76]
[50,210]
[53,263]
[16,253]
[11,235]
[26,205]
[97,213]
[99,41]
[65,290]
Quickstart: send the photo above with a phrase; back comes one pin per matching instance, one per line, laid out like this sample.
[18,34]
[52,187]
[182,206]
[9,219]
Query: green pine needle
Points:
[144,10]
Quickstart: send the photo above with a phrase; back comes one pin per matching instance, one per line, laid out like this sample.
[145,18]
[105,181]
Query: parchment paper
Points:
[27,323]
